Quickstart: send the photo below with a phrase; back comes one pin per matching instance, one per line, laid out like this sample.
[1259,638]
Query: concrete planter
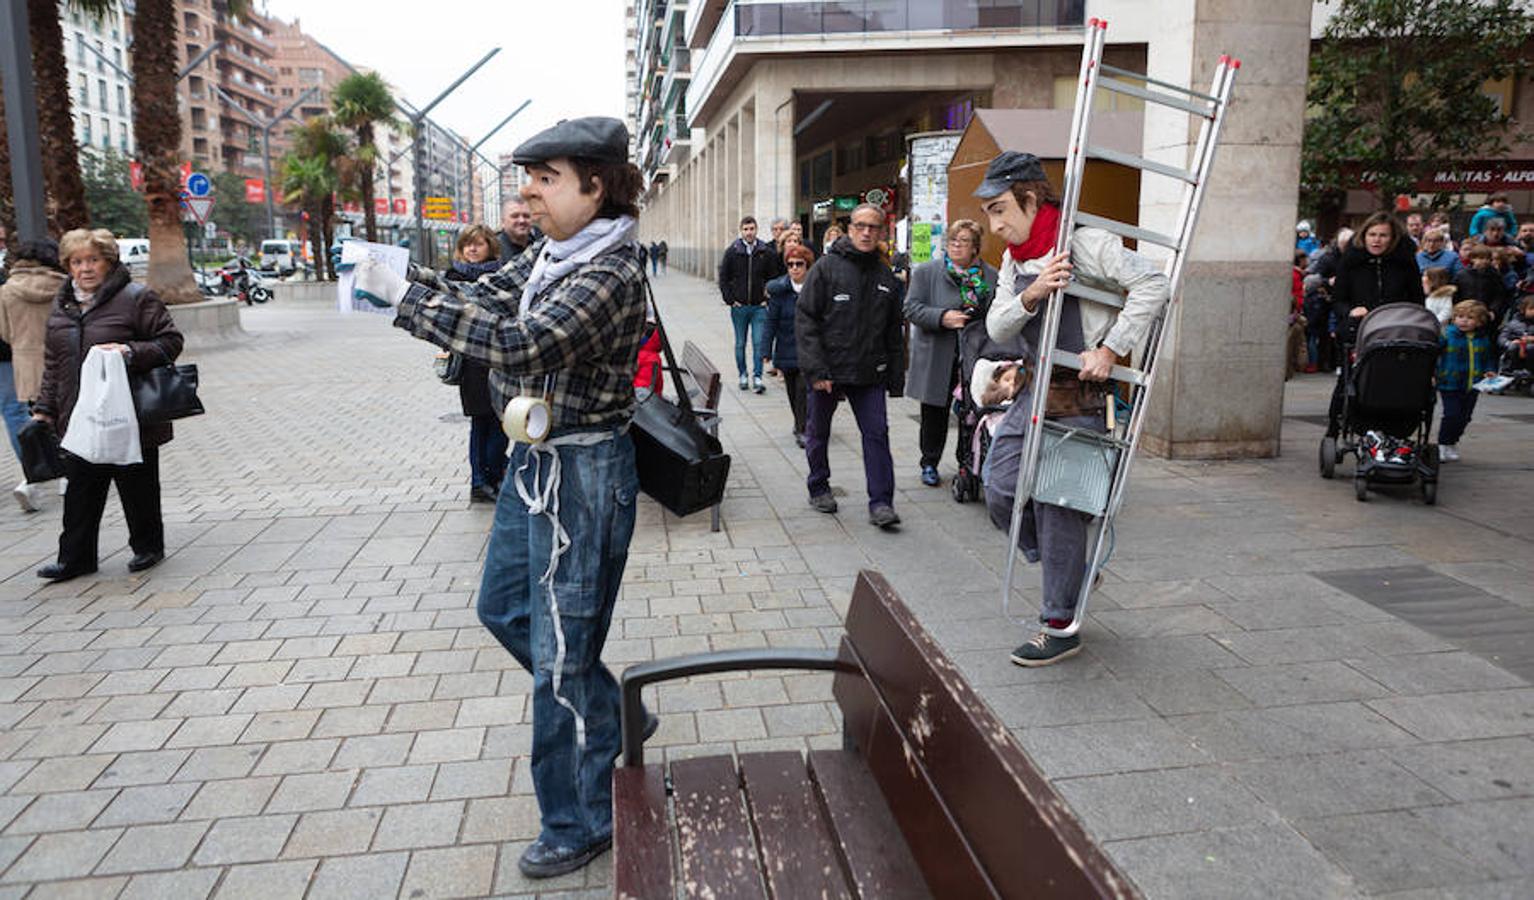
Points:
[209,321]
[304,292]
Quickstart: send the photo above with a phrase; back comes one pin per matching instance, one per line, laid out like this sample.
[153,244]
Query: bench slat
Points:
[798,857]
[874,853]
[718,851]
[641,835]
[992,790]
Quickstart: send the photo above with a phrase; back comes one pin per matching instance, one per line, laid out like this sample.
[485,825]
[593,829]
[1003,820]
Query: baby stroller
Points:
[975,346]
[1387,404]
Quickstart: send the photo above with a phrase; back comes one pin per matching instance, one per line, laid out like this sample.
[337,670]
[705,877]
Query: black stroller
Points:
[975,344]
[1387,407]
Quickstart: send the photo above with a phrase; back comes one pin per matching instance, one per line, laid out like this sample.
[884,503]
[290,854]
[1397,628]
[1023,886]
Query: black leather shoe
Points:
[483,493]
[542,860]
[57,572]
[142,561]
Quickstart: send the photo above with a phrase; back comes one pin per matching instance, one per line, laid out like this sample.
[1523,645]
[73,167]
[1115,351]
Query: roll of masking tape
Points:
[527,420]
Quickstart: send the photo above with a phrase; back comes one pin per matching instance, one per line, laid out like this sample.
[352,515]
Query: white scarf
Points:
[559,258]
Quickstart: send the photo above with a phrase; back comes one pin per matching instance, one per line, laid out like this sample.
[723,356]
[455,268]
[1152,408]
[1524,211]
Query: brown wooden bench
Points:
[701,380]
[930,797]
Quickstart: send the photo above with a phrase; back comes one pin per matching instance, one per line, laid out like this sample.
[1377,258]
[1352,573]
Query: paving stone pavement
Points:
[300,701]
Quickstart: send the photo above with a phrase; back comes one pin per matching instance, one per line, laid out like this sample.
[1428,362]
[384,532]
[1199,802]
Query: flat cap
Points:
[593,137]
[1009,167]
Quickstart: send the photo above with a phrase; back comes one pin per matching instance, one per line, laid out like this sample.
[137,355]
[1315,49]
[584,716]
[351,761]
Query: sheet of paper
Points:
[353,252]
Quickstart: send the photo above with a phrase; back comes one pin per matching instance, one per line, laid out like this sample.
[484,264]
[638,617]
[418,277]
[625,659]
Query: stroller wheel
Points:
[1328,457]
[1361,489]
[1429,492]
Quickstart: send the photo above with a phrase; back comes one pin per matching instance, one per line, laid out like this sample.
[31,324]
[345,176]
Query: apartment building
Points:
[99,78]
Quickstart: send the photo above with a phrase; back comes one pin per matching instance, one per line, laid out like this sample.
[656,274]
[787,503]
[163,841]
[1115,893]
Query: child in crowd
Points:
[1440,294]
[1006,383]
[1516,340]
[1481,280]
[1464,357]
[1318,310]
[1514,269]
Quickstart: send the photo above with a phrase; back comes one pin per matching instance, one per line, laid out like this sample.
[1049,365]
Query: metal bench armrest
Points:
[637,676]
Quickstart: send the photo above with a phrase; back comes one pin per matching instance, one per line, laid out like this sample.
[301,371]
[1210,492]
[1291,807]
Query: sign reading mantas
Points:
[1474,177]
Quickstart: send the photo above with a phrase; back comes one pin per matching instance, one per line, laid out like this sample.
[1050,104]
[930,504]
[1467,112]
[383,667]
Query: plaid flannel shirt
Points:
[584,329]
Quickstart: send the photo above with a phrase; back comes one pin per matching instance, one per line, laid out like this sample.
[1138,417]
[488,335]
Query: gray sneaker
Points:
[823,503]
[1045,648]
[884,516]
[24,499]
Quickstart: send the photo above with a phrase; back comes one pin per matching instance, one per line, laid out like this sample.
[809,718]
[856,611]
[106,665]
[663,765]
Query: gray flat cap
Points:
[1009,167]
[594,137]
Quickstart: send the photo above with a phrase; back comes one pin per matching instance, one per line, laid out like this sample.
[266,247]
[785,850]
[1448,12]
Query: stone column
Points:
[1220,382]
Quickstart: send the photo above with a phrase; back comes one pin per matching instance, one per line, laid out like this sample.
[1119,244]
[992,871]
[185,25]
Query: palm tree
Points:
[7,199]
[319,170]
[361,103]
[157,125]
[55,118]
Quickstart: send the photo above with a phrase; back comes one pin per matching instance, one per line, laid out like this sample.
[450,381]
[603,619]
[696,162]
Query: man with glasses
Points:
[1434,253]
[851,347]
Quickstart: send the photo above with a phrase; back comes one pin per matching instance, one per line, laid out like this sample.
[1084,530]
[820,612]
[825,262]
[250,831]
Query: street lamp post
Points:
[266,146]
[21,124]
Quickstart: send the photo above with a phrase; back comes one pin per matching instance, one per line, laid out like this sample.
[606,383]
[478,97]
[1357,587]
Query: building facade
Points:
[99,77]
[799,109]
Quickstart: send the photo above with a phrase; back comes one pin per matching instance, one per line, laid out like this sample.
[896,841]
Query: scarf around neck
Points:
[1041,239]
[973,291]
[559,258]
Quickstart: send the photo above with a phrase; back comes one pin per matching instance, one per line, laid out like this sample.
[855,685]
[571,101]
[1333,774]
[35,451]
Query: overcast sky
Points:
[565,55]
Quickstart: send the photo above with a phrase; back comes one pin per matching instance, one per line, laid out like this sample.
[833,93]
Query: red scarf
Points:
[1041,239]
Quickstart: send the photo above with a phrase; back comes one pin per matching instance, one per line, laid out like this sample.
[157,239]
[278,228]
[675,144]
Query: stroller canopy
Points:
[1396,324]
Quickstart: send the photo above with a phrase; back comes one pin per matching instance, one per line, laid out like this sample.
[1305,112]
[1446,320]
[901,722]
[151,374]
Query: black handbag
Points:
[40,460]
[167,392]
[448,367]
[681,465]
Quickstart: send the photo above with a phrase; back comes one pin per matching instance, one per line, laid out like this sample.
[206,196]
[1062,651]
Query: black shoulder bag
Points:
[165,392]
[681,465]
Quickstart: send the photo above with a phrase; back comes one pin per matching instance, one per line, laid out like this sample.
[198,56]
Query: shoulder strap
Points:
[682,400]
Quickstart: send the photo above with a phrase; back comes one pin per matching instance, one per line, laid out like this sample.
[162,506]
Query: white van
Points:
[281,257]
[134,253]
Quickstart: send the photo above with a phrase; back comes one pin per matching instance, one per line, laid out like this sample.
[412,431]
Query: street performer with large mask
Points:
[559,328]
[1025,212]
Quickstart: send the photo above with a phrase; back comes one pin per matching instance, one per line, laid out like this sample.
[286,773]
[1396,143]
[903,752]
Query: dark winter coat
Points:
[744,273]
[782,346]
[848,321]
[1514,328]
[474,382]
[120,315]
[933,347]
[1485,285]
[1366,280]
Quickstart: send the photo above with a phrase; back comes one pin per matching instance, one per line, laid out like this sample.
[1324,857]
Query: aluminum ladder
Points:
[1124,436]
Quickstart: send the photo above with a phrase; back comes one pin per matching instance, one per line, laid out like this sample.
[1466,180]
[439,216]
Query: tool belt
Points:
[1070,396]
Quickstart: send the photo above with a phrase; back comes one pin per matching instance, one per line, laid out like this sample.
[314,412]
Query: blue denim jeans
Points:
[14,411]
[487,451]
[754,318]
[597,492]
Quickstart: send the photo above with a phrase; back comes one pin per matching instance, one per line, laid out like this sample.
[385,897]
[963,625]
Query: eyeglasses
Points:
[796,265]
[866,226]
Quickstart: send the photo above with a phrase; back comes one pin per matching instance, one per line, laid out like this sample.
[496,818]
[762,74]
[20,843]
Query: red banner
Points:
[186,172]
[255,190]
[401,206]
[352,206]
[136,175]
[381,206]
[463,217]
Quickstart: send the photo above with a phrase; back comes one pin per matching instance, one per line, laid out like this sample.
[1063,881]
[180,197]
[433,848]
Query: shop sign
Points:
[1472,177]
[846,203]
[255,190]
[821,211]
[401,206]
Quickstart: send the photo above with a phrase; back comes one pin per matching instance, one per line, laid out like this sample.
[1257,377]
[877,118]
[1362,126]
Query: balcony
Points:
[676,18]
[827,17]
[678,74]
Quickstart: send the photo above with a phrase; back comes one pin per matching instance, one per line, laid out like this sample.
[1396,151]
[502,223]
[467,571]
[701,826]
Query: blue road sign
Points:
[198,185]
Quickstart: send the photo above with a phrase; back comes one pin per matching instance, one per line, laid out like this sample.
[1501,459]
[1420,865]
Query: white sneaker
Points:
[23,495]
[63,486]
[1448,453]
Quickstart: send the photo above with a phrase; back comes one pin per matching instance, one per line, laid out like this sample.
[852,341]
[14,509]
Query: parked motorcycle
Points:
[243,281]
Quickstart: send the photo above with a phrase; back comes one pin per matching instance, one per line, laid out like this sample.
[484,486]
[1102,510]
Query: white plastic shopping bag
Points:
[103,429]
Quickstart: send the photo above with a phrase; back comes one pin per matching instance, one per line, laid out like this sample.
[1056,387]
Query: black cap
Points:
[593,137]
[1009,167]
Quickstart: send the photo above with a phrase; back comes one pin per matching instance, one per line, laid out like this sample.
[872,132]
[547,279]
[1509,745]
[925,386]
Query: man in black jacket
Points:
[747,266]
[851,345]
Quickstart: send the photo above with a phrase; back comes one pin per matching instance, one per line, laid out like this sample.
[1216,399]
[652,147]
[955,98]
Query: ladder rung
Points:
[1067,359]
[1138,76]
[1123,87]
[1140,162]
[1086,220]
[1096,295]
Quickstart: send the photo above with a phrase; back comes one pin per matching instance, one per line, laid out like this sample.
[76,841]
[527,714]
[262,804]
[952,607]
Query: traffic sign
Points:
[438,208]
[199,207]
[198,185]
[209,230]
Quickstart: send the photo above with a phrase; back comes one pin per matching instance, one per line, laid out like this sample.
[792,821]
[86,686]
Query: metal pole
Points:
[481,141]
[266,159]
[417,122]
[21,121]
[197,60]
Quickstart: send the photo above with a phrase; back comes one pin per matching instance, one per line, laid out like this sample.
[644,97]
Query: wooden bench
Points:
[930,797]
[701,380]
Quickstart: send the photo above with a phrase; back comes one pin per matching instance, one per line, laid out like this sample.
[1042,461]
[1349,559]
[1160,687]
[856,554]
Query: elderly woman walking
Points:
[26,301]
[101,307]
[947,293]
